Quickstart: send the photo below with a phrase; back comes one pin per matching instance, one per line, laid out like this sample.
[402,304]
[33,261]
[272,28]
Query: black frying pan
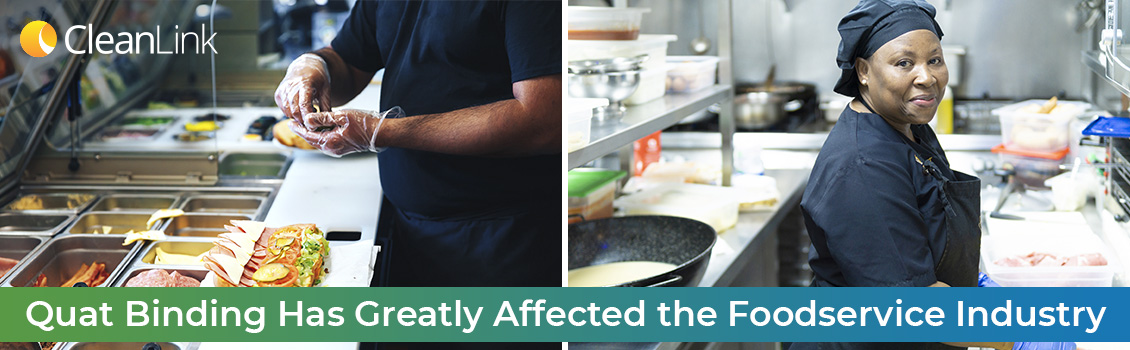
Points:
[683,242]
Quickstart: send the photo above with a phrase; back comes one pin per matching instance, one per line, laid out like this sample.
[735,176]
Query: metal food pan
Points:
[50,202]
[62,257]
[223,204]
[117,223]
[200,225]
[17,248]
[188,248]
[149,203]
[123,346]
[19,223]
[197,273]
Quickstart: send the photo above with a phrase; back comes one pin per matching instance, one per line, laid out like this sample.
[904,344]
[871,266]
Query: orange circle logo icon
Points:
[38,39]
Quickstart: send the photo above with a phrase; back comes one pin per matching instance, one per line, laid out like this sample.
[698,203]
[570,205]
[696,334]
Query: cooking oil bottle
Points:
[944,116]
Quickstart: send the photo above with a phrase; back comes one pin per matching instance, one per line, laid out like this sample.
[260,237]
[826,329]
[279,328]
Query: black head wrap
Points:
[873,23]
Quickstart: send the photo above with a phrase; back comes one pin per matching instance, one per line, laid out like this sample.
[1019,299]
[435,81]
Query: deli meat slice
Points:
[161,278]
[184,281]
[1045,259]
[151,278]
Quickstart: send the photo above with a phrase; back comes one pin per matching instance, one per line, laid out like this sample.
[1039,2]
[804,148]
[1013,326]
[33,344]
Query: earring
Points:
[863,82]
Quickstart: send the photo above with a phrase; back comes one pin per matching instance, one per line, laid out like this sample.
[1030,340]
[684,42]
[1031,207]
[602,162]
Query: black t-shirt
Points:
[441,56]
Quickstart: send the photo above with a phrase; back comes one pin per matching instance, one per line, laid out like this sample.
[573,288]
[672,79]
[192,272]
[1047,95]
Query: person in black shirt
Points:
[469,141]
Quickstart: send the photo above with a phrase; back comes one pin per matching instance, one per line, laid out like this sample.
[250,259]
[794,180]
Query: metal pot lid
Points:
[604,65]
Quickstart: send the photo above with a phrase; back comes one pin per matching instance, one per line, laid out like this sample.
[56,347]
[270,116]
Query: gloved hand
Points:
[983,280]
[344,131]
[1043,346]
[307,82]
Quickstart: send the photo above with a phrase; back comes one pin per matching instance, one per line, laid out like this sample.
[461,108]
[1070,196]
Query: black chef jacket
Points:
[463,220]
[874,217]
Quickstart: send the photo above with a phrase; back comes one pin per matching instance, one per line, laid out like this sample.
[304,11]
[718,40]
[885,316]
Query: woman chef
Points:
[882,206]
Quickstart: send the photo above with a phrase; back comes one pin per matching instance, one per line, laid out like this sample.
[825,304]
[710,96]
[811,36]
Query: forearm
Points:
[994,345]
[526,125]
[344,80]
[499,129]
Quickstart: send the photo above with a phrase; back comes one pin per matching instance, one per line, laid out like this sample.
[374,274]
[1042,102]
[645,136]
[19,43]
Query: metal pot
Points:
[683,242]
[614,86]
[757,106]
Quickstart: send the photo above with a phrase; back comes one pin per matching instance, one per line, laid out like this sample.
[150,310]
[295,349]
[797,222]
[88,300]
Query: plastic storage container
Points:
[605,23]
[655,46]
[1032,168]
[716,206]
[651,86]
[591,193]
[690,73]
[579,112]
[997,246]
[1025,130]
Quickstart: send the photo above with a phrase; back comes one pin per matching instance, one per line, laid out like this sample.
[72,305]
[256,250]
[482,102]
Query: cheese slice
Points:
[162,214]
[166,258]
[232,268]
[245,243]
[151,235]
[254,229]
[240,256]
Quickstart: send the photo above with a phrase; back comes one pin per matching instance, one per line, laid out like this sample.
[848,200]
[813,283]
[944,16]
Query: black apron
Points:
[958,267]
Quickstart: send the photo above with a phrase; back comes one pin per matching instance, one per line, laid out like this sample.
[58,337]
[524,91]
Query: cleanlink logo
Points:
[38,39]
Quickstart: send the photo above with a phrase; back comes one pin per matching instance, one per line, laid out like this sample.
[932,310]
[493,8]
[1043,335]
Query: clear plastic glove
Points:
[307,83]
[1043,346]
[983,280]
[344,131]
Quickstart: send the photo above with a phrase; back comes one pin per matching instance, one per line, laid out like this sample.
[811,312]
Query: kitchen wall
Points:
[1015,48]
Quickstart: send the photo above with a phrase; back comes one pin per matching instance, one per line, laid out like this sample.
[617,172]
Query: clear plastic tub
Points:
[651,86]
[690,73]
[655,46]
[1032,168]
[1022,128]
[605,23]
[997,246]
[713,205]
[579,114]
[591,192]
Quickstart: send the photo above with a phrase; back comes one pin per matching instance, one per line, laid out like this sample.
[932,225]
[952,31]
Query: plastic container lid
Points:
[1108,127]
[1057,155]
[583,182]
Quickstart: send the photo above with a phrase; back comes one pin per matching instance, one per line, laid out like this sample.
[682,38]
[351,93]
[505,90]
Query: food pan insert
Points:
[223,204]
[147,203]
[182,248]
[110,223]
[32,224]
[51,202]
[198,274]
[200,225]
[62,257]
[16,248]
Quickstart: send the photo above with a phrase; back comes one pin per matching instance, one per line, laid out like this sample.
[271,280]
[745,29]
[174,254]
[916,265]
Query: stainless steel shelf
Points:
[642,120]
[1102,65]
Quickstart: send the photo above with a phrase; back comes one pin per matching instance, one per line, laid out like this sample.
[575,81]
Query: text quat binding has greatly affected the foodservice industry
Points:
[566,314]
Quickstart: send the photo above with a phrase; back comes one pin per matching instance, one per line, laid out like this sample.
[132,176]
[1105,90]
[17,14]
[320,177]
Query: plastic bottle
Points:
[945,114]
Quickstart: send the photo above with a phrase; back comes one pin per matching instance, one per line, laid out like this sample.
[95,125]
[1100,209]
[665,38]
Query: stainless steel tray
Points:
[20,223]
[191,271]
[18,248]
[115,223]
[228,204]
[132,202]
[53,203]
[121,346]
[61,258]
[198,226]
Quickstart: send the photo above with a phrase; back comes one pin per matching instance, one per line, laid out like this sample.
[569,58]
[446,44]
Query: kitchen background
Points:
[1014,49]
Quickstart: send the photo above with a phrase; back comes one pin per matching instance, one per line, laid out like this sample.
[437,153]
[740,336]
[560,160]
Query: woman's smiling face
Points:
[905,78]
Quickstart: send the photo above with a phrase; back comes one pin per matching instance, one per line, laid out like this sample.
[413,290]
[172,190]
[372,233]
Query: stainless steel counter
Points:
[736,249]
